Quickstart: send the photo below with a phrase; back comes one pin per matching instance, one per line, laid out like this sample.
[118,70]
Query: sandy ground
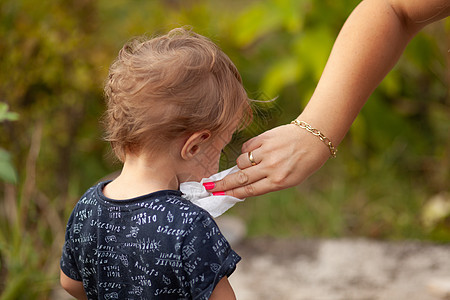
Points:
[341,269]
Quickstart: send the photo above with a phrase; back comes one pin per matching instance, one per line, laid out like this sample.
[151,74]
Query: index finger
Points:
[238,179]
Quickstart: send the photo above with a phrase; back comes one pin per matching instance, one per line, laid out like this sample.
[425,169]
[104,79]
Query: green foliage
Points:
[55,57]
[7,171]
[6,115]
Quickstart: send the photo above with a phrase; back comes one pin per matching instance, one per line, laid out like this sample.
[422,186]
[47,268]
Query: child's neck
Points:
[141,177]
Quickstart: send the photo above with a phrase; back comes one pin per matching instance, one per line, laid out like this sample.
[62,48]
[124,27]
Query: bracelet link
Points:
[316,132]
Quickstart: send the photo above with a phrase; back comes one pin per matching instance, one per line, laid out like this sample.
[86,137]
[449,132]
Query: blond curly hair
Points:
[166,87]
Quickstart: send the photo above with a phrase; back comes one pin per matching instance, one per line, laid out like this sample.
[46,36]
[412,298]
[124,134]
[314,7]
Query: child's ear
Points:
[194,143]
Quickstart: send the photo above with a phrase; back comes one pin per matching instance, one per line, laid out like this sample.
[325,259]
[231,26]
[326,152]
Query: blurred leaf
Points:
[284,72]
[385,125]
[7,171]
[391,84]
[264,17]
[421,51]
[255,23]
[7,115]
[313,48]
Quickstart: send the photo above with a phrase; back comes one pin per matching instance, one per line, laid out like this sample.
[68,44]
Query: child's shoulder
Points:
[163,200]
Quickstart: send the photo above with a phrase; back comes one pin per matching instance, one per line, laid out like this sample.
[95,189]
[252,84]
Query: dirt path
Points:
[341,269]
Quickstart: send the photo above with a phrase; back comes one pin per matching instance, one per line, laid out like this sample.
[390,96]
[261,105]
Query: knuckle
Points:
[272,163]
[242,178]
[232,193]
[249,189]
[239,163]
[221,184]
[279,179]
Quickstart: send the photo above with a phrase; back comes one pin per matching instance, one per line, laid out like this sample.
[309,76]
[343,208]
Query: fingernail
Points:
[218,193]
[208,185]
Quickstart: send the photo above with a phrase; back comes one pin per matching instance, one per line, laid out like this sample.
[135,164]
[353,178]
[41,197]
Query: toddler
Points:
[173,103]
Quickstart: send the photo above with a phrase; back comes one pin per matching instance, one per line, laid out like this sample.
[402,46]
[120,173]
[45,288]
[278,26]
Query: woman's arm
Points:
[368,46]
[73,287]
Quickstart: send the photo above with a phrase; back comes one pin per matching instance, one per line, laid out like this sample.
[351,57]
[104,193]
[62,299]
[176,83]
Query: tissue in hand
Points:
[197,194]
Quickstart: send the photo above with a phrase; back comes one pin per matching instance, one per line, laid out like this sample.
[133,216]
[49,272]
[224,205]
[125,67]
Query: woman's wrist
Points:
[316,132]
[332,118]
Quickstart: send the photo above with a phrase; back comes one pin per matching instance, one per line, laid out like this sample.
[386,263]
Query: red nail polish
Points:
[218,193]
[209,185]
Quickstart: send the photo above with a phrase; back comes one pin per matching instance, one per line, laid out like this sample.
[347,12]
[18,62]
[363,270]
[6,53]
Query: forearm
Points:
[368,46]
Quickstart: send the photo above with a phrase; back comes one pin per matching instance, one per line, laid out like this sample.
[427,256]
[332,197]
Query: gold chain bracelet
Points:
[317,133]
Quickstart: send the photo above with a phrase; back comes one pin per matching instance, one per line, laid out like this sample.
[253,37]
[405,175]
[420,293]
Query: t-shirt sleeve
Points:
[68,263]
[207,256]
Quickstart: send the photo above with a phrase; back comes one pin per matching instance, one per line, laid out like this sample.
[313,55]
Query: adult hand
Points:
[285,156]
[368,46]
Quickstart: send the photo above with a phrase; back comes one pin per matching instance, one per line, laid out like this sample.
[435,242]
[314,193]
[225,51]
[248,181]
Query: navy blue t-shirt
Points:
[157,246]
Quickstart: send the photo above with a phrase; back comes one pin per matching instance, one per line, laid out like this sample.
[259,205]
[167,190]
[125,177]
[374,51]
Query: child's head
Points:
[169,87]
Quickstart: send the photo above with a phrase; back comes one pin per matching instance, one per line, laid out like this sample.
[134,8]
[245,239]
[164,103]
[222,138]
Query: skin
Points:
[368,46]
[73,287]
[191,158]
